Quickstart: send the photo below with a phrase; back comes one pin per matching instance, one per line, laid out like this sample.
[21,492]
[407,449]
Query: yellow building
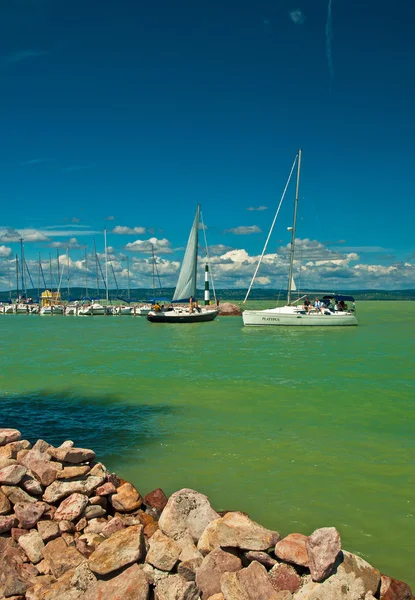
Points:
[50,298]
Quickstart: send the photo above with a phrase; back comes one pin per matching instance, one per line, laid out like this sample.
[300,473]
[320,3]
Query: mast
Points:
[22,266]
[96,267]
[10,283]
[59,267]
[154,284]
[38,281]
[106,266]
[128,276]
[86,272]
[68,273]
[50,273]
[17,277]
[293,228]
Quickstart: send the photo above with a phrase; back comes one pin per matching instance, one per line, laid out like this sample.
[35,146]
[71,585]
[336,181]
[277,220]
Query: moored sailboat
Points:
[186,288]
[292,314]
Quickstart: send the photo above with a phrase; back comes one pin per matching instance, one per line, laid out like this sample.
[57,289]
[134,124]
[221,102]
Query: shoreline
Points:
[70,529]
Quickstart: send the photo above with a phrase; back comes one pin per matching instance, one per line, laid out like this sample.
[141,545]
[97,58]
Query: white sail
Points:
[186,284]
[293,286]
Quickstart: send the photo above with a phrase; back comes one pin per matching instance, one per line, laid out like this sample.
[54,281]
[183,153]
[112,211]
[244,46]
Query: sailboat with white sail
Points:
[294,314]
[186,288]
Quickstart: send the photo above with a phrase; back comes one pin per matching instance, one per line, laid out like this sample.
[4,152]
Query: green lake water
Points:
[299,427]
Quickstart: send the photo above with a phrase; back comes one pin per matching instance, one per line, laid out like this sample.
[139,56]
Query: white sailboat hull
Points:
[292,316]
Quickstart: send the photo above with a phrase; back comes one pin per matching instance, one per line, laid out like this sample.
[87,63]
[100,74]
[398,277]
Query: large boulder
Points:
[187,511]
[353,578]
[214,565]
[323,547]
[71,508]
[12,475]
[71,455]
[61,557]
[8,435]
[127,498]
[122,548]
[5,506]
[284,577]
[164,552]
[251,583]
[60,489]
[29,513]
[293,549]
[131,584]
[393,589]
[236,530]
[174,587]
[33,546]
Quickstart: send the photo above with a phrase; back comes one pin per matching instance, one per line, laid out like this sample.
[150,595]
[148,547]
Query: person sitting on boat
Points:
[307,305]
[191,308]
[341,305]
[157,307]
[317,305]
[197,307]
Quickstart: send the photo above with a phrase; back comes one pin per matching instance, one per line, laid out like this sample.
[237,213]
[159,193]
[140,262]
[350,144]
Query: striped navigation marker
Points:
[207,292]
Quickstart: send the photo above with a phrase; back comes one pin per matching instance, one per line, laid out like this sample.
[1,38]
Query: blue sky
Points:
[123,115]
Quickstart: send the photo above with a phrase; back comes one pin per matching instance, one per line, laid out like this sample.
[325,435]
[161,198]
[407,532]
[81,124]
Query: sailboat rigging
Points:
[292,314]
[185,290]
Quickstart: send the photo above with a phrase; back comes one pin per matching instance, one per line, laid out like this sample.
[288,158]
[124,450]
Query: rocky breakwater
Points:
[227,309]
[71,530]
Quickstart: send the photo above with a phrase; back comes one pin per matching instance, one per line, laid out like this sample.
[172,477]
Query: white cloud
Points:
[244,230]
[297,16]
[122,230]
[162,246]
[29,235]
[71,243]
[257,208]
[5,251]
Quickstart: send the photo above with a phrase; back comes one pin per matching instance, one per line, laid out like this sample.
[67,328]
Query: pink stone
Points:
[71,508]
[293,549]
[323,546]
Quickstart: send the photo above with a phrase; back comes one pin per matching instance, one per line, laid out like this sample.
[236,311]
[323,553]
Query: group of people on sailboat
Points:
[324,305]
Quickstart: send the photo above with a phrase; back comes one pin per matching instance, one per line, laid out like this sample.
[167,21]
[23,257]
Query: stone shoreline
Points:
[71,530]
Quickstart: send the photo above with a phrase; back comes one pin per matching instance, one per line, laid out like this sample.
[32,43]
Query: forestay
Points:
[186,284]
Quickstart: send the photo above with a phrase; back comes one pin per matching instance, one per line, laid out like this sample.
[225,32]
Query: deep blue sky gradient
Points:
[142,109]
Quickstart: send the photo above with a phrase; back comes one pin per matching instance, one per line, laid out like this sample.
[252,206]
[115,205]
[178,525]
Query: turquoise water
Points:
[301,428]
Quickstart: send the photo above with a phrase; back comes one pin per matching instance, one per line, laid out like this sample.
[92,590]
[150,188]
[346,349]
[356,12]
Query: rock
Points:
[61,557]
[31,485]
[112,526]
[70,472]
[174,587]
[16,532]
[236,530]
[48,530]
[100,470]
[122,548]
[152,574]
[71,508]
[71,455]
[131,584]
[323,547]
[43,567]
[66,527]
[8,435]
[393,589]
[106,489]
[44,470]
[293,549]
[353,578]
[7,452]
[187,568]
[219,596]
[61,489]
[38,452]
[284,577]
[163,553]
[69,539]
[156,499]
[251,583]
[5,506]
[99,501]
[227,309]
[189,550]
[87,543]
[6,462]
[16,495]
[17,579]
[29,513]
[12,475]
[127,498]
[33,545]
[187,511]
[262,557]
[284,595]
[150,530]
[43,582]
[7,522]
[212,568]
[82,523]
[94,512]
